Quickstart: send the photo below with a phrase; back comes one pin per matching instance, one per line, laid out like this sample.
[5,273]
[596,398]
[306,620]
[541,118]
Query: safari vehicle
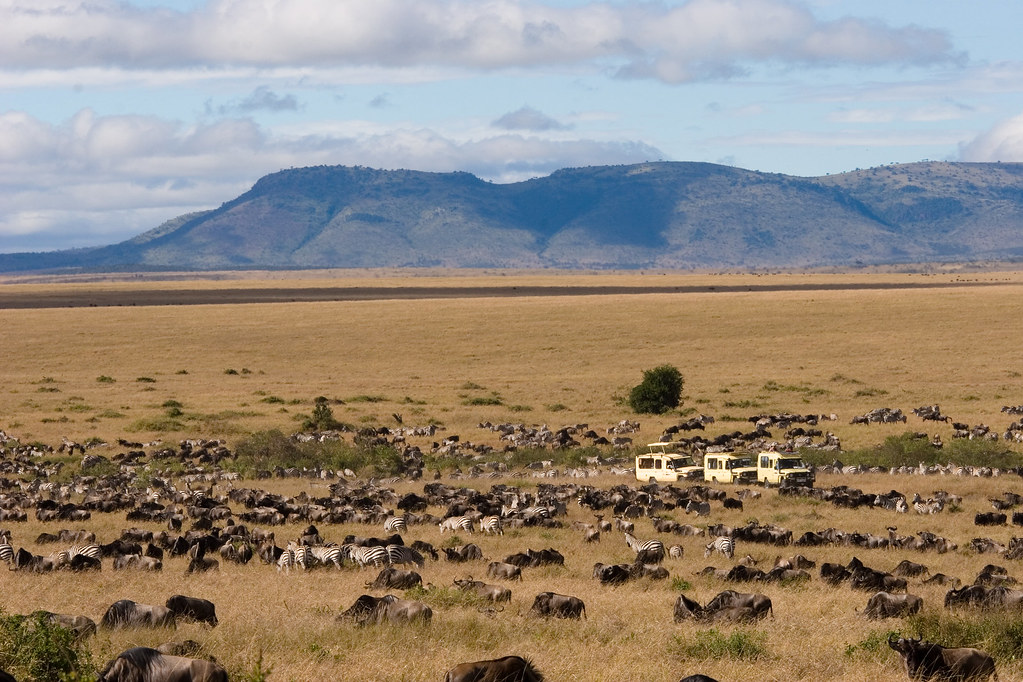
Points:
[729,467]
[782,469]
[661,465]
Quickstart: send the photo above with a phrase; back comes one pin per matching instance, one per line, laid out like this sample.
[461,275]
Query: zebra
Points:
[327,554]
[363,556]
[400,554]
[491,525]
[396,524]
[454,523]
[287,559]
[7,553]
[723,544]
[66,555]
[675,551]
[299,555]
[650,551]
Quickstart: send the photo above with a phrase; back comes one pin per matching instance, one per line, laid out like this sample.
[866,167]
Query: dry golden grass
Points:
[554,360]
[565,359]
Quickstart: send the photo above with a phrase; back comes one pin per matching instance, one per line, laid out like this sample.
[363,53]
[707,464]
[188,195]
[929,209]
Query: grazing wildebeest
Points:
[470,552]
[499,569]
[494,593]
[193,609]
[686,608]
[392,578]
[909,569]
[697,678]
[886,605]
[128,614]
[929,661]
[142,664]
[759,603]
[368,610]
[82,626]
[558,605]
[506,669]
[613,574]
[188,647]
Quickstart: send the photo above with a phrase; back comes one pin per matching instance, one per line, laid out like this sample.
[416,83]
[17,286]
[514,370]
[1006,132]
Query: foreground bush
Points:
[32,648]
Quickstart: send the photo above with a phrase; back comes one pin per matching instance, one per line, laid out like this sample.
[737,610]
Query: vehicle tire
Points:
[652,480]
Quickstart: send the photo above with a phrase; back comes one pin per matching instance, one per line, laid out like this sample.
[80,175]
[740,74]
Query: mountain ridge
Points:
[673,215]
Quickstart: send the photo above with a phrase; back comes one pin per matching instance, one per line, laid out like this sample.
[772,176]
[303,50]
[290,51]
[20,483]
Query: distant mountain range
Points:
[650,215]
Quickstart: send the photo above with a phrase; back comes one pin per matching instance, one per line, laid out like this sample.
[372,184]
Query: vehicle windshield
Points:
[790,463]
[680,462]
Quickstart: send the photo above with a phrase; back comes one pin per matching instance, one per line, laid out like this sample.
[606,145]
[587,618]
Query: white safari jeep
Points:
[658,464]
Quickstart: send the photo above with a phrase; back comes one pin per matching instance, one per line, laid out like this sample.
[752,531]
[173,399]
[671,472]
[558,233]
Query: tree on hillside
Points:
[660,391]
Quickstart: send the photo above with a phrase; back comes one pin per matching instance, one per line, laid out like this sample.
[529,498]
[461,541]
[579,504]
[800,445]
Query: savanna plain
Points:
[796,343]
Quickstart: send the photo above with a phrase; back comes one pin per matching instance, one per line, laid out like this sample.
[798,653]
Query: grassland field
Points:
[230,370]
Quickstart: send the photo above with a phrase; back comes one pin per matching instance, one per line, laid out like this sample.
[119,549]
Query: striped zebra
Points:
[456,523]
[491,525]
[400,554]
[327,554]
[396,524]
[725,545]
[364,556]
[7,553]
[675,551]
[286,560]
[66,555]
[299,555]
[650,551]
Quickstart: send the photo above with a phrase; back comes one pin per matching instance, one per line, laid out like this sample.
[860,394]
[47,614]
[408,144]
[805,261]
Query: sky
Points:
[118,115]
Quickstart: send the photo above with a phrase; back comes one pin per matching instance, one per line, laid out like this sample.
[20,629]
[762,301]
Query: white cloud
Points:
[1003,142]
[528,118]
[699,39]
[102,179]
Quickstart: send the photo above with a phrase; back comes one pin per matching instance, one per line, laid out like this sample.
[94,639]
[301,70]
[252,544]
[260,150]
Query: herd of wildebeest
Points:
[208,516]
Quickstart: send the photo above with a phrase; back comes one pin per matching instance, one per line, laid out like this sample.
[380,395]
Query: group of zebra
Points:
[653,551]
[90,554]
[306,557]
[489,525]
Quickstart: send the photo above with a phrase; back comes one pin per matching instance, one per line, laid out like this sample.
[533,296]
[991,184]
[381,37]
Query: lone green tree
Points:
[660,391]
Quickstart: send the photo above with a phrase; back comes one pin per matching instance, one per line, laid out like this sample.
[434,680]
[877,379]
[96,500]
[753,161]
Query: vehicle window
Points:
[657,464]
[765,462]
[646,463]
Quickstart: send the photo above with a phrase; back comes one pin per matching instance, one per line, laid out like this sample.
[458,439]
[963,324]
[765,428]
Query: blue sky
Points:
[118,115]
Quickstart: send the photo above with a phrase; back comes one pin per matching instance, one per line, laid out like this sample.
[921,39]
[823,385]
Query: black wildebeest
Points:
[558,605]
[929,661]
[697,678]
[142,664]
[128,614]
[193,609]
[499,569]
[506,669]
[368,610]
[886,605]
[392,578]
[494,593]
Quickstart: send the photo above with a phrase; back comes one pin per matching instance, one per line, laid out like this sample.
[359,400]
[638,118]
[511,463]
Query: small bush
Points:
[556,407]
[322,418]
[145,380]
[104,379]
[483,400]
[231,371]
[660,391]
[742,645]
